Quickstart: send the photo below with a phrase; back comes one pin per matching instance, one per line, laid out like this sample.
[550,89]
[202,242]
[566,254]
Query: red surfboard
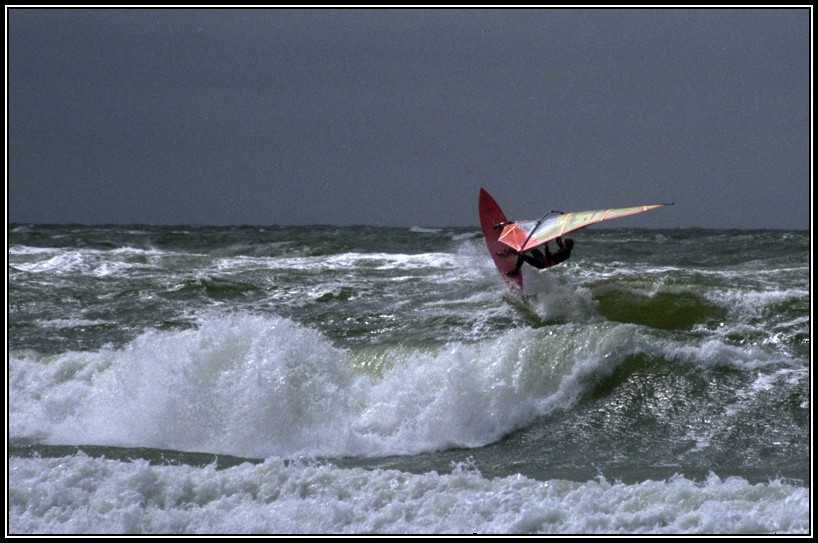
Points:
[492,220]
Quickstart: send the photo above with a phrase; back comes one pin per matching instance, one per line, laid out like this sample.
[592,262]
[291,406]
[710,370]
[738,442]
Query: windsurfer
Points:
[544,259]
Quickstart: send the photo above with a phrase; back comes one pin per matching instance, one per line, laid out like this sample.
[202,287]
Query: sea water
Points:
[358,380]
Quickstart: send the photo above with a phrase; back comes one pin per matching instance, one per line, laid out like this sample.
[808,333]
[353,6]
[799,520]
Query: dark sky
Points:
[398,117]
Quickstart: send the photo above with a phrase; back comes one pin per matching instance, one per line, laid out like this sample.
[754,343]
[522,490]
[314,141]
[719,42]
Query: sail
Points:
[525,235]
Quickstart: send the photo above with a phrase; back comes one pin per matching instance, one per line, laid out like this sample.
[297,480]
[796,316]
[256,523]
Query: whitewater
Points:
[246,380]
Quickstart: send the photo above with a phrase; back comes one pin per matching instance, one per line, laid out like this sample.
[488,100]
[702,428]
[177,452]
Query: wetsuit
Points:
[540,260]
[560,256]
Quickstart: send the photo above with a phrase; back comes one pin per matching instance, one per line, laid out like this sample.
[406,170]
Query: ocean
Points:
[370,380]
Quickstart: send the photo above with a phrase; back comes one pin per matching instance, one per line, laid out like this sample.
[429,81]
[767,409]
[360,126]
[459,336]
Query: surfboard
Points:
[492,221]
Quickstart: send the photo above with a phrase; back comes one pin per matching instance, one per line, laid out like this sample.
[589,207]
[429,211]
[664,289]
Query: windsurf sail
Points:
[525,235]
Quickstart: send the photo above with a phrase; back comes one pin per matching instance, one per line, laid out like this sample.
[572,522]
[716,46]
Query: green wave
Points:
[664,310]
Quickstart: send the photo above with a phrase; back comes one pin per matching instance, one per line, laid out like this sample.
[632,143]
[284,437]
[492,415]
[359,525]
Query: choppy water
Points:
[383,380]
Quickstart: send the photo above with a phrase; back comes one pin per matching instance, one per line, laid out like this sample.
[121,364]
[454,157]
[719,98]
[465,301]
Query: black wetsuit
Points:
[540,260]
[560,256]
[535,258]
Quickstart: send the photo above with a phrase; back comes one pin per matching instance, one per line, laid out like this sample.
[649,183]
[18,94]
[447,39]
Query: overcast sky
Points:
[398,117]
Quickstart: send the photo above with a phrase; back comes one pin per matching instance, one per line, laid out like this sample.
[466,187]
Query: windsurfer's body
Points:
[544,259]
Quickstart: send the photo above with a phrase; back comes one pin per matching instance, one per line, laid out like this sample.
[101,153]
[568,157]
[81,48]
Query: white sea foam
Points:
[87,261]
[463,236]
[558,298]
[714,352]
[74,323]
[748,304]
[424,230]
[261,386]
[79,494]
[26,250]
[352,261]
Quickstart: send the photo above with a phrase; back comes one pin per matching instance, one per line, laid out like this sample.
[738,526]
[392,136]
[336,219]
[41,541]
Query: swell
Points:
[256,386]
[665,310]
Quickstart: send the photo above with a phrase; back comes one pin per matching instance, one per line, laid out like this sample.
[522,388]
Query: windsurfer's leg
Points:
[536,259]
[516,271]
